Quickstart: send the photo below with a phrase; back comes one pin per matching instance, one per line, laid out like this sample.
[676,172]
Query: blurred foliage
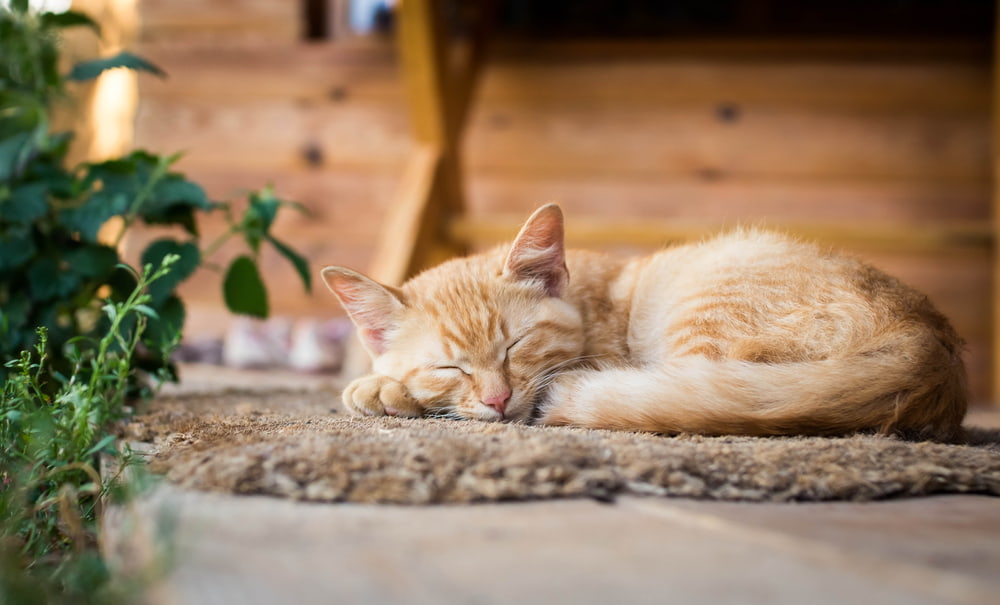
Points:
[78,327]
[53,267]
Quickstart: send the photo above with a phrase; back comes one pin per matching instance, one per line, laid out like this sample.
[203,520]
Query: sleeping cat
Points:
[749,333]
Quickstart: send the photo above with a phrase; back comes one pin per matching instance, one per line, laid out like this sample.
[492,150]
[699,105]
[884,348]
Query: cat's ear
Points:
[539,252]
[375,309]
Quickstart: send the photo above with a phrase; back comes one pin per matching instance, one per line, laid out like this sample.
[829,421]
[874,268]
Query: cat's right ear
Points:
[375,309]
[539,253]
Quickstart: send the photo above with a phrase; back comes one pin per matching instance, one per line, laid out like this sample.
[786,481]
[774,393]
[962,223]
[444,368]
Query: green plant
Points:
[76,323]
[53,266]
[49,448]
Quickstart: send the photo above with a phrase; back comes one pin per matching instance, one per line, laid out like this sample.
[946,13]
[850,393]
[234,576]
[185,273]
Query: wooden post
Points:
[414,236]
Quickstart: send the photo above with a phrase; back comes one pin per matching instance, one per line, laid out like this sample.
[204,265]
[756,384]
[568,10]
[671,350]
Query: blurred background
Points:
[866,125]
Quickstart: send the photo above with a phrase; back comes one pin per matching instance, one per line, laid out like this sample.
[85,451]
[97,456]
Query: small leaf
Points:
[300,264]
[188,261]
[258,217]
[244,290]
[89,70]
[100,445]
[264,205]
[147,311]
[110,310]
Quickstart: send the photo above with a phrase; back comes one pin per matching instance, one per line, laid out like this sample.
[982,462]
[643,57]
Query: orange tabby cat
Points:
[749,333]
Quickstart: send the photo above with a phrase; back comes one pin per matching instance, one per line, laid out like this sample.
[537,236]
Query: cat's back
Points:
[740,265]
[765,296]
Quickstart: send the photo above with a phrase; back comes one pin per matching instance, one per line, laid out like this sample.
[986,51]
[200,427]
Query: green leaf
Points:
[123,282]
[101,445]
[16,247]
[259,216]
[182,216]
[22,112]
[243,289]
[189,260]
[172,203]
[93,261]
[89,70]
[88,217]
[15,310]
[47,280]
[300,264]
[27,203]
[69,19]
[147,311]
[264,205]
[175,190]
[19,6]
[14,151]
[165,329]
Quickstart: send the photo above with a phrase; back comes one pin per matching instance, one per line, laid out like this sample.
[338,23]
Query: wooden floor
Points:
[246,550]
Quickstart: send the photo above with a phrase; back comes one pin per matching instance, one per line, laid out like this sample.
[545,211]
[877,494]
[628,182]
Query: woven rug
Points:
[301,445]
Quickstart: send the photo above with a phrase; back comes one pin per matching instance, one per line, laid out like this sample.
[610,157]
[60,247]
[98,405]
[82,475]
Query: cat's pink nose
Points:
[498,401]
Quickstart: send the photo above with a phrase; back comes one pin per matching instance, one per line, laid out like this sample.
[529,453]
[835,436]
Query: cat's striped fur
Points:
[749,333]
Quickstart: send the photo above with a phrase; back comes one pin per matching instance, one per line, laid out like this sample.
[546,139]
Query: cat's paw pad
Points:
[380,396]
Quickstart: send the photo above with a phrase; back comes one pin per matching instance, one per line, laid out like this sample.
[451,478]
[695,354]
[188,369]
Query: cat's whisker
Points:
[439,411]
[545,377]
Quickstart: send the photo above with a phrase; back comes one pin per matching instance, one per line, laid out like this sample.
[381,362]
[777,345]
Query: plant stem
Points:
[219,241]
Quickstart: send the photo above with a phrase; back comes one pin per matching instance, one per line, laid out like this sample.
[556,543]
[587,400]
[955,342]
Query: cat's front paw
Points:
[376,395]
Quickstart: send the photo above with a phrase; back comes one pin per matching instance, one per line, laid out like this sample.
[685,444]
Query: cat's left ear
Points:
[539,252]
[375,309]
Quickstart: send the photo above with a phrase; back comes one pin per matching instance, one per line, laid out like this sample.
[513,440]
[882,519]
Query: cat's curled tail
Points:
[898,386]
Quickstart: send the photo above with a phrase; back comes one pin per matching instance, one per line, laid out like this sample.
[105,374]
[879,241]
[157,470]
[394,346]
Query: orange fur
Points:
[749,333]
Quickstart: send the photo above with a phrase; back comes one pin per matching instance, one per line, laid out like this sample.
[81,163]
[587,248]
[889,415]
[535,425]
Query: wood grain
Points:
[889,138]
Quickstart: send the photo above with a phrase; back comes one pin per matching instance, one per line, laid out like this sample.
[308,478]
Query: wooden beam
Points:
[402,241]
[425,73]
[591,232]
[430,195]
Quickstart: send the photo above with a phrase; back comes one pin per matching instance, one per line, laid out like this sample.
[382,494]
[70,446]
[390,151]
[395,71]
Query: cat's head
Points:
[475,337]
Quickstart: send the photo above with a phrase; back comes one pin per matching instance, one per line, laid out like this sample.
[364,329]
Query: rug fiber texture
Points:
[301,445]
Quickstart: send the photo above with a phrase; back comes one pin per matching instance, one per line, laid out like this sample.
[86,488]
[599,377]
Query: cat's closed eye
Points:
[510,347]
[451,368]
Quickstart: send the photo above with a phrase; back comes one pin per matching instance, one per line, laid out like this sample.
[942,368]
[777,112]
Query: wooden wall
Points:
[706,133]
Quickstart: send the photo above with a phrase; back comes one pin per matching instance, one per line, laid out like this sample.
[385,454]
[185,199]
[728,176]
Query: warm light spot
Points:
[112,113]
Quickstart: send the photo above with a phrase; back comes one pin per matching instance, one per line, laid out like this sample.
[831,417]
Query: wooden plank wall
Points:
[718,133]
[250,104]
[726,133]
